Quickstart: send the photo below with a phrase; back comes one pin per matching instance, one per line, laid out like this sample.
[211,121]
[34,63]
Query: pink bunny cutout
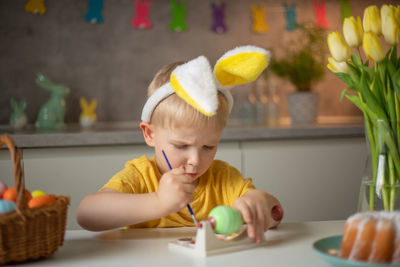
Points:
[142,12]
[320,14]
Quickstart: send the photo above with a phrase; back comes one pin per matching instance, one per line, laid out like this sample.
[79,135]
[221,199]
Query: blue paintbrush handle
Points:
[188,206]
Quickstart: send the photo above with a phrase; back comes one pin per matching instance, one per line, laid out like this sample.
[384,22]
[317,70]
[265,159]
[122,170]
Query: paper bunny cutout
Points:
[218,18]
[35,7]
[259,24]
[94,14]
[320,14]
[345,9]
[18,119]
[88,117]
[51,114]
[142,12]
[178,16]
[291,16]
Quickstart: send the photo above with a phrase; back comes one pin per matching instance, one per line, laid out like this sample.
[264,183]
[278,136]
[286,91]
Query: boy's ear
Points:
[148,133]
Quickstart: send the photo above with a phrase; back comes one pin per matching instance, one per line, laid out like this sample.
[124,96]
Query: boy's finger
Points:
[178,171]
[266,221]
[249,218]
[245,211]
[184,179]
[188,188]
[251,231]
[259,225]
[255,226]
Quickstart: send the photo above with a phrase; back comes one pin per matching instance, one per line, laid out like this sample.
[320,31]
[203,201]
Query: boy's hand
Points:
[175,190]
[255,207]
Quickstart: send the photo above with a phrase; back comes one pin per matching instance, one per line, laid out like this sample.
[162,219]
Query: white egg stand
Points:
[207,243]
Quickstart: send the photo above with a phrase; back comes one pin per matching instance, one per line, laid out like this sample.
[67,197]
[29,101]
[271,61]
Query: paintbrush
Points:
[188,206]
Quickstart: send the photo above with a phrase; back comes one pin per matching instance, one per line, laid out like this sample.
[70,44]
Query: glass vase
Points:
[370,200]
[380,186]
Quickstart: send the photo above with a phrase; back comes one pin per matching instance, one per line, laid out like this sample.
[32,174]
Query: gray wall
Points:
[115,62]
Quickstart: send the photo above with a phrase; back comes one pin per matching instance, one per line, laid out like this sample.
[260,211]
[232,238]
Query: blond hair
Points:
[174,112]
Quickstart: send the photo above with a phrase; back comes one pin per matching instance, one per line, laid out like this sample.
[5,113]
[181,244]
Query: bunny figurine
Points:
[88,115]
[18,118]
[51,114]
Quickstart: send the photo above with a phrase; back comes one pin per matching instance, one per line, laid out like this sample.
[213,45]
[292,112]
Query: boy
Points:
[146,193]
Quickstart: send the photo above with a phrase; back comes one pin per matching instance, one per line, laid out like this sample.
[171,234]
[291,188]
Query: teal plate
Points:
[327,247]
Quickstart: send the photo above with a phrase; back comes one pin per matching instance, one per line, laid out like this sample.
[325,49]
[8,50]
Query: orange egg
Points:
[41,201]
[11,194]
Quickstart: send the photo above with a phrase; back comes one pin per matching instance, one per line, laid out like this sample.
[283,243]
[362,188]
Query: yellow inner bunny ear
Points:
[241,65]
[180,91]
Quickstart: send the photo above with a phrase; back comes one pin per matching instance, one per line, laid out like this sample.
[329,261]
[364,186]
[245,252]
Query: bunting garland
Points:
[94,13]
[291,16]
[259,24]
[141,17]
[345,8]
[142,12]
[178,16]
[320,14]
[35,7]
[218,14]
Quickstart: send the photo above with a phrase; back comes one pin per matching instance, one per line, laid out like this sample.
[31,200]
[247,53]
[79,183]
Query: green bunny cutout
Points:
[178,16]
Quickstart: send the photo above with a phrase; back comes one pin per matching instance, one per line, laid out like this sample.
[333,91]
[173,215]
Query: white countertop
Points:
[288,245]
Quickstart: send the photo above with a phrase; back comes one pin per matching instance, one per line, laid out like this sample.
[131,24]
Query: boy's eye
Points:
[180,146]
[209,147]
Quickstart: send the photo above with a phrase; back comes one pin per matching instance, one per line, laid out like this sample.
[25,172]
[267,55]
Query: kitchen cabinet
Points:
[315,179]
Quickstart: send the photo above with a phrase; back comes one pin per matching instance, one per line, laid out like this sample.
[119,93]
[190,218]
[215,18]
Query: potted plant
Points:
[303,64]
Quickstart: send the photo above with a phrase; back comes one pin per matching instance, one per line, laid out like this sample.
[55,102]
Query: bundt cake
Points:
[372,237]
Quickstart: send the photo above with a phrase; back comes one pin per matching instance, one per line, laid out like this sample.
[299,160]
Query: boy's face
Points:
[194,149]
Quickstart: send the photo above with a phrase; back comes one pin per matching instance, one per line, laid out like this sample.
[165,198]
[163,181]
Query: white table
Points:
[288,245]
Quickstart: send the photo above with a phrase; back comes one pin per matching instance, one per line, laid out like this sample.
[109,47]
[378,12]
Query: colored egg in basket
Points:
[6,206]
[11,194]
[41,201]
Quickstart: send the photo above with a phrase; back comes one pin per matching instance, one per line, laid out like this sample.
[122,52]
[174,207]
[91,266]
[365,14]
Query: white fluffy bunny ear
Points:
[194,83]
[241,65]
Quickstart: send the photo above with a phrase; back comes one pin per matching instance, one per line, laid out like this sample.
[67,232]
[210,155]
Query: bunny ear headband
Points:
[195,82]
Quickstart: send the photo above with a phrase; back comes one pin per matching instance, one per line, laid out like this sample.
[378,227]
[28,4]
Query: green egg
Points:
[228,220]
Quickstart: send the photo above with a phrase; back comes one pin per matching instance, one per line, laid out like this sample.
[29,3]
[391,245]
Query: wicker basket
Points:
[29,234]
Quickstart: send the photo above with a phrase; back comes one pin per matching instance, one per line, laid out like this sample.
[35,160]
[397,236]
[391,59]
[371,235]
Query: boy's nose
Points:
[193,158]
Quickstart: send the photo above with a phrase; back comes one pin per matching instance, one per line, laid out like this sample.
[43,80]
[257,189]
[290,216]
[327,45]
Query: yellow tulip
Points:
[338,47]
[390,29]
[397,14]
[353,31]
[387,10]
[372,20]
[335,66]
[373,47]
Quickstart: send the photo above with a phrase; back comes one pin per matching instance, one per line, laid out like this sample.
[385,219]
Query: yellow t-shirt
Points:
[221,184]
